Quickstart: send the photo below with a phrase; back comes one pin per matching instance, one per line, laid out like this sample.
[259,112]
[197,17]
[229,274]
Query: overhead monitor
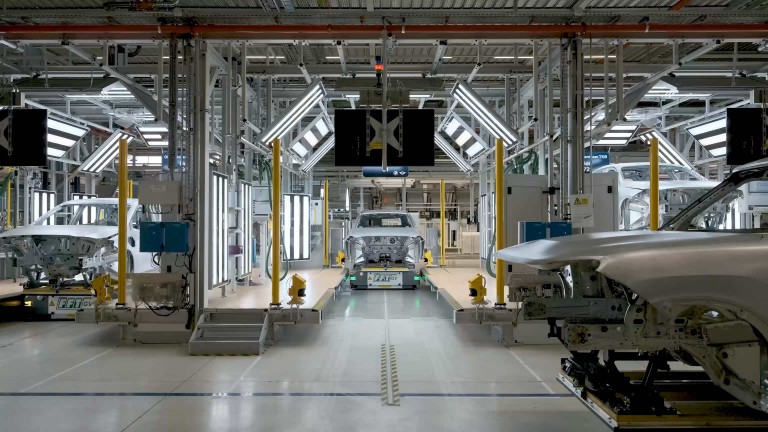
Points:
[410,137]
[745,135]
[23,137]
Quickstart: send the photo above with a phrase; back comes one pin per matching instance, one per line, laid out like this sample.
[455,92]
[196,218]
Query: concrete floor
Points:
[63,376]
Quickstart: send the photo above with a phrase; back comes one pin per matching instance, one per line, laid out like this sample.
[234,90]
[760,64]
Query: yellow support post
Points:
[499,222]
[130,188]
[326,228]
[654,194]
[8,207]
[442,223]
[276,185]
[122,223]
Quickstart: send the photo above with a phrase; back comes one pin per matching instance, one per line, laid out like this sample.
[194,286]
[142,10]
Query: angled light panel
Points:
[711,136]
[318,154]
[667,152]
[619,135]
[296,210]
[310,136]
[300,107]
[105,154]
[455,157]
[483,113]
[62,136]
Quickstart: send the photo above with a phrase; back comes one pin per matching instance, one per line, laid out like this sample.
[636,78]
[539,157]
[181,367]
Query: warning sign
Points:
[582,211]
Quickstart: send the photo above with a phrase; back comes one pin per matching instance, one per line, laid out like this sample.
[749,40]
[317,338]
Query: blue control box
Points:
[176,237]
[530,231]
[159,237]
[560,229]
[151,237]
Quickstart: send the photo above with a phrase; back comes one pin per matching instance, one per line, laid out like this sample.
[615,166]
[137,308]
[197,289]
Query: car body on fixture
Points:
[76,239]
[384,250]
[678,187]
[696,290]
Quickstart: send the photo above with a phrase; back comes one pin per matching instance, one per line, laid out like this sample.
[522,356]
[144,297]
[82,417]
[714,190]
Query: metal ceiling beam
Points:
[342,60]
[661,31]
[67,116]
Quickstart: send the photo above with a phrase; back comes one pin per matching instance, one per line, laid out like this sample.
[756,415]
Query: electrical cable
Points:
[265,166]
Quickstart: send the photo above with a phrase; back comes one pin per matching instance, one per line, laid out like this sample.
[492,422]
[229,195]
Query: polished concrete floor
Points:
[61,376]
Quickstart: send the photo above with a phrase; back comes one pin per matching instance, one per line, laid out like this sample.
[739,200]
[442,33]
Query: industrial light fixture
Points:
[463,135]
[480,110]
[332,57]
[530,57]
[62,136]
[296,210]
[711,136]
[155,135]
[318,154]
[245,197]
[219,240]
[619,135]
[43,201]
[88,217]
[310,136]
[420,96]
[455,157]
[667,152]
[105,154]
[263,57]
[314,94]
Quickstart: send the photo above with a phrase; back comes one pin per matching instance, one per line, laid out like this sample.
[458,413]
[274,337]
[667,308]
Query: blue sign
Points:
[595,160]
[391,171]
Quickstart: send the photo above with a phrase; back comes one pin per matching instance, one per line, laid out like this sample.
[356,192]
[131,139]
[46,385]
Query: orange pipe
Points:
[309,32]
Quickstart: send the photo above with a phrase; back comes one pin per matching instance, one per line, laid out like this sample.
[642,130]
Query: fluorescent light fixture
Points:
[150,129]
[62,136]
[145,160]
[452,154]
[474,149]
[265,57]
[667,152]
[245,197]
[463,138]
[332,57]
[620,134]
[157,143]
[322,127]
[311,138]
[452,126]
[447,57]
[318,154]
[43,201]
[480,110]
[711,135]
[152,136]
[351,96]
[300,107]
[105,153]
[296,210]
[220,232]
[530,57]
[300,149]
[420,96]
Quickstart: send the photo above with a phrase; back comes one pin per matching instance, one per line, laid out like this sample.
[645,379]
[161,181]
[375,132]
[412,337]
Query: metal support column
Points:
[442,223]
[202,175]
[326,228]
[276,187]
[576,119]
[122,223]
[500,192]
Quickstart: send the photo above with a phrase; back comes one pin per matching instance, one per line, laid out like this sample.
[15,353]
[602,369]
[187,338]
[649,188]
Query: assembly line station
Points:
[206,223]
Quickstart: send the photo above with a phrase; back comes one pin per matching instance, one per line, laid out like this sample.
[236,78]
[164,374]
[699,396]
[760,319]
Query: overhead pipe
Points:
[352,32]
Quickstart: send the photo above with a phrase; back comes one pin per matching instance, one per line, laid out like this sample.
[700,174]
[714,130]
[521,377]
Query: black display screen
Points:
[411,137]
[23,137]
[744,135]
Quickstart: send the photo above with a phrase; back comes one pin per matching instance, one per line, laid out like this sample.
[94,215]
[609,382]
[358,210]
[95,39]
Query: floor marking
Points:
[287,394]
[242,376]
[388,380]
[535,375]
[67,370]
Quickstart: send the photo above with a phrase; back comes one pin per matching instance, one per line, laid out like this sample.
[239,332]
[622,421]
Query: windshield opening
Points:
[666,173]
[384,220]
[91,214]
[740,203]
